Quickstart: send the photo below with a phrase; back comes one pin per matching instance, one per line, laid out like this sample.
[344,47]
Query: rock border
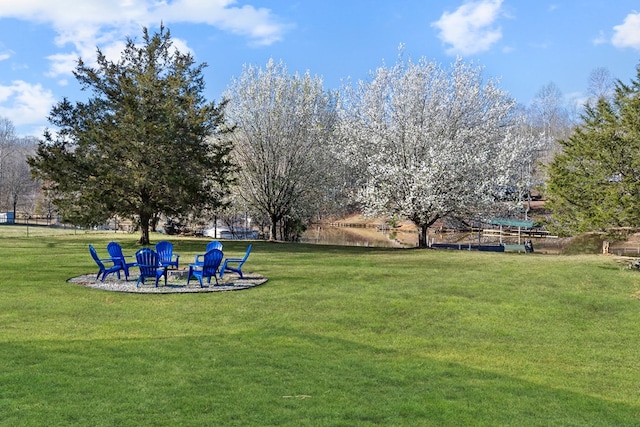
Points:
[175,284]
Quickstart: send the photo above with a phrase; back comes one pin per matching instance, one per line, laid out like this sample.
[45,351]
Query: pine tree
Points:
[594,183]
[145,143]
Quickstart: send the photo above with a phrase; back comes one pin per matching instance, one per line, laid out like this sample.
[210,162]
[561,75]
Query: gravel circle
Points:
[175,284]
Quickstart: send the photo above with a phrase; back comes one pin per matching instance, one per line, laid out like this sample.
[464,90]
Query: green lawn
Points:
[338,336]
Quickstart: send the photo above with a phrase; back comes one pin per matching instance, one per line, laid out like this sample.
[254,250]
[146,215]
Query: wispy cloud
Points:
[24,103]
[600,39]
[553,7]
[85,25]
[4,52]
[627,34]
[471,28]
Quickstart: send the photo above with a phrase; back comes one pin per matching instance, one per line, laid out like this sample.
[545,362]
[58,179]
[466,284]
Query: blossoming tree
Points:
[431,142]
[284,123]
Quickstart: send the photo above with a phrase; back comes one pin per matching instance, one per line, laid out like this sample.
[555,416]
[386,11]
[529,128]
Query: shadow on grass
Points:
[272,376]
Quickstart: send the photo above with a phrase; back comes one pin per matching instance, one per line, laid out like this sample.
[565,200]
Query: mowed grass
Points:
[338,336]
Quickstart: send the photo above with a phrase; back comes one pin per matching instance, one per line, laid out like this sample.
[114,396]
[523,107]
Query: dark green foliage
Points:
[594,184]
[145,143]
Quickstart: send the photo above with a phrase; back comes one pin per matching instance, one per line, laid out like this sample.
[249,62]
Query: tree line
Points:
[417,141]
[18,191]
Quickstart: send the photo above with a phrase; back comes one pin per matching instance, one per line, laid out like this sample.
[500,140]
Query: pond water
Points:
[371,236]
[348,236]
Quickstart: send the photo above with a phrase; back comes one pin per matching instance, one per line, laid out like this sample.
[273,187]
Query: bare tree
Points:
[549,114]
[20,187]
[601,85]
[8,140]
[17,187]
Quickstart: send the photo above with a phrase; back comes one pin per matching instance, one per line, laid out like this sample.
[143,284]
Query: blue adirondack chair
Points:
[214,244]
[164,249]
[115,252]
[150,267]
[208,268]
[238,263]
[104,271]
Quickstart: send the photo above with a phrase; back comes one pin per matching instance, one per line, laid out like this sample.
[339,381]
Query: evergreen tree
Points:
[594,183]
[145,143]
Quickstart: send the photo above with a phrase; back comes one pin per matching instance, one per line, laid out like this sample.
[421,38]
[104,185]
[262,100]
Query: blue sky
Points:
[526,43]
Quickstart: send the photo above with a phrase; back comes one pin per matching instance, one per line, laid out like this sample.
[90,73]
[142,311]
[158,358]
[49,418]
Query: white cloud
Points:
[258,24]
[62,63]
[25,104]
[105,23]
[600,39]
[471,28]
[627,34]
[4,52]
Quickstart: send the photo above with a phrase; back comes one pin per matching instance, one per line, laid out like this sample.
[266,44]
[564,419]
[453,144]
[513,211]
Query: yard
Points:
[338,336]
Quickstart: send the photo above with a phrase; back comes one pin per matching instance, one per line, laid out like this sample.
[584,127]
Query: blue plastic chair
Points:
[150,267]
[214,244]
[238,261]
[208,268]
[104,271]
[164,249]
[115,252]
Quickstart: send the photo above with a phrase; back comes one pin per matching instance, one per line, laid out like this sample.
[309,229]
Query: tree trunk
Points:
[153,223]
[273,232]
[144,229]
[423,238]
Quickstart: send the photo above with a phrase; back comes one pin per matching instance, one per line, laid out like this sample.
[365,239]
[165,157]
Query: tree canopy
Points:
[430,142]
[594,183]
[145,143]
[284,123]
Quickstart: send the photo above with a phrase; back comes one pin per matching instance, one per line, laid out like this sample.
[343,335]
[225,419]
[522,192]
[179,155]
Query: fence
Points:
[36,220]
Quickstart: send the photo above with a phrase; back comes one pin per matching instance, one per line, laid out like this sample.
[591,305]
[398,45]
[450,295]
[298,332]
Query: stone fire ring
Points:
[176,283]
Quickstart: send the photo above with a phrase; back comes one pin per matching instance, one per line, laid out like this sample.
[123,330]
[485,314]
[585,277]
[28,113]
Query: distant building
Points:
[7,218]
[237,233]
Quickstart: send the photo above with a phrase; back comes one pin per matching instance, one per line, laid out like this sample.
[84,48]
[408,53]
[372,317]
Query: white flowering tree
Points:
[431,142]
[284,124]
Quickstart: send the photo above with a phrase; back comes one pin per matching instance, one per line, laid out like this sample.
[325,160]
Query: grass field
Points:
[338,336]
